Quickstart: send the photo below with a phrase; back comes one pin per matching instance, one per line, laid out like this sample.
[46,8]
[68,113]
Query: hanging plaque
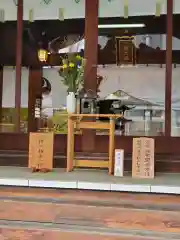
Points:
[125,50]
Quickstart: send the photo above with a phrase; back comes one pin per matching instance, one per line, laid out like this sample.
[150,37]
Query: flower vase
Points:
[71,102]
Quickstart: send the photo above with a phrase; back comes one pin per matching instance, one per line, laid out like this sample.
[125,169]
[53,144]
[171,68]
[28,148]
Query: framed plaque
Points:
[125,50]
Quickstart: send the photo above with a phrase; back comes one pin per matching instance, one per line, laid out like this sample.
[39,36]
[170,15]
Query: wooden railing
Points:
[143,56]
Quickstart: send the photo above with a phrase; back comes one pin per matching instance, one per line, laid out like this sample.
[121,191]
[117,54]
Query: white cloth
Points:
[47,109]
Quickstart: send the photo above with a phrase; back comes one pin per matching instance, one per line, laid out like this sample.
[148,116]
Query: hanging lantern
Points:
[31,15]
[158,8]
[61,14]
[126,9]
[2,15]
[42,55]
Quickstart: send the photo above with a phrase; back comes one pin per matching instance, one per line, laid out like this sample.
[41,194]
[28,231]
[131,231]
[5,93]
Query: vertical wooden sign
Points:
[143,158]
[119,163]
[41,151]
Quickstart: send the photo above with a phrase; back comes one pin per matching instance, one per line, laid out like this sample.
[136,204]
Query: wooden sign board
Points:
[119,163]
[143,158]
[41,150]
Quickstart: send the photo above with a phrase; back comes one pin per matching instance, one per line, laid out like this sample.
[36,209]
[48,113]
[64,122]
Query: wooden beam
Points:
[105,56]
[70,145]
[86,163]
[1,91]
[168,80]
[34,90]
[18,64]
[92,125]
[111,146]
[91,54]
[91,43]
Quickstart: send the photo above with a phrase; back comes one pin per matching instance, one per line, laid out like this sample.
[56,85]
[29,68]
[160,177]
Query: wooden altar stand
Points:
[86,121]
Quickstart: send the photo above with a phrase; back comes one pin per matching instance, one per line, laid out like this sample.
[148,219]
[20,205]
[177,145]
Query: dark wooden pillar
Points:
[168,82]
[18,64]
[35,89]
[91,44]
[91,55]
[1,91]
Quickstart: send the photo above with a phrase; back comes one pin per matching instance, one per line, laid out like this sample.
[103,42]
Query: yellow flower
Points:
[64,66]
[71,65]
[78,57]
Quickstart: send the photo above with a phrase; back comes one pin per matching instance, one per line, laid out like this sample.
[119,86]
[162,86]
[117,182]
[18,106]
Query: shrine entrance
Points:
[125,50]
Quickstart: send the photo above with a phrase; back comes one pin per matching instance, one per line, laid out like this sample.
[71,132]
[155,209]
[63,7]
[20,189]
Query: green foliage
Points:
[8,115]
[59,120]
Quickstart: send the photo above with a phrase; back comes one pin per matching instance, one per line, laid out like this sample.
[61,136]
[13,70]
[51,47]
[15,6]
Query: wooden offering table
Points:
[78,121]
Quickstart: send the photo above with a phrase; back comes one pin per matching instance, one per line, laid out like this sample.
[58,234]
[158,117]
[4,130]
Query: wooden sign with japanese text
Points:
[41,150]
[143,158]
[119,163]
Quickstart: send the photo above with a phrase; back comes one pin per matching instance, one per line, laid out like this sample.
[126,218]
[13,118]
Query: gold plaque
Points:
[125,50]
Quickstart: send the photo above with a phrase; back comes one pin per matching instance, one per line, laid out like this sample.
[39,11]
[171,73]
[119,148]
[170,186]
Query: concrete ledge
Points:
[52,184]
[165,189]
[94,186]
[89,180]
[88,185]
[14,182]
[130,188]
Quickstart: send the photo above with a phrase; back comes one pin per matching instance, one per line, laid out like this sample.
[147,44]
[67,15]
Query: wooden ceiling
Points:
[54,28]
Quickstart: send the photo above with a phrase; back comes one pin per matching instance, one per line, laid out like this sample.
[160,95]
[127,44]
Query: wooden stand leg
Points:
[70,145]
[111,146]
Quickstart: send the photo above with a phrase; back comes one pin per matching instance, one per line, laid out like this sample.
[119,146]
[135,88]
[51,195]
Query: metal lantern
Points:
[87,102]
[42,55]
